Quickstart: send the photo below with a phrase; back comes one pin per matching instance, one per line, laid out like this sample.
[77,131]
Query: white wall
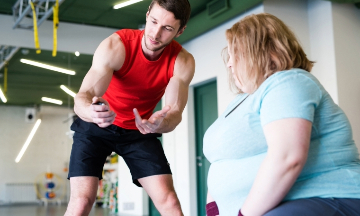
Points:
[322,45]
[346,25]
[50,146]
[295,15]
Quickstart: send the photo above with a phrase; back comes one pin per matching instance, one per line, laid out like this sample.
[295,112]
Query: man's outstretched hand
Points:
[152,124]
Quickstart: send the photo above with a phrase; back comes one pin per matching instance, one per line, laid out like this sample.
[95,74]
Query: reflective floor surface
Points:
[50,210]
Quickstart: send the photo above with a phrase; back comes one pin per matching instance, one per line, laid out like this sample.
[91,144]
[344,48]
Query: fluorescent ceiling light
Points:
[127,3]
[26,144]
[49,67]
[2,96]
[71,93]
[50,100]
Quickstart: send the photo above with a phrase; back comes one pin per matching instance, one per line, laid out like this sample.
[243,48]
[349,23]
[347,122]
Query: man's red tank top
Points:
[139,83]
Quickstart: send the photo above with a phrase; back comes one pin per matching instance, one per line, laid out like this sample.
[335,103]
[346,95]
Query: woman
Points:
[282,147]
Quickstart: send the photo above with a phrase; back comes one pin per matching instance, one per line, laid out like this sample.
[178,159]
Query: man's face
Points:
[161,28]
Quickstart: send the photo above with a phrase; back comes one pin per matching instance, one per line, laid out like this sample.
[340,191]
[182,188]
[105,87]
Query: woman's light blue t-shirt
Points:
[235,145]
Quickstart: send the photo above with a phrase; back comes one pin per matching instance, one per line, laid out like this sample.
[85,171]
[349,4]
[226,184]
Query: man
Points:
[131,71]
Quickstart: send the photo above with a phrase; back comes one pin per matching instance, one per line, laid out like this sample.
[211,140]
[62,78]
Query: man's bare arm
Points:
[176,95]
[108,57]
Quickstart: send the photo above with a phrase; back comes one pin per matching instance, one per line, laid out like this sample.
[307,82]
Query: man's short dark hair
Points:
[180,8]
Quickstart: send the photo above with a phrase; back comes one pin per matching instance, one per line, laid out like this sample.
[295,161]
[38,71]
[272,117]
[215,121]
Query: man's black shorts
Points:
[142,153]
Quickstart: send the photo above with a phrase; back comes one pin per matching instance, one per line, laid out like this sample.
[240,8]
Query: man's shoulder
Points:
[134,31]
[129,34]
[114,42]
[185,57]
[184,66]
[111,52]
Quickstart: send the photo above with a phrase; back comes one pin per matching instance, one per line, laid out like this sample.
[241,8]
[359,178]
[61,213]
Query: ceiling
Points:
[101,13]
[27,84]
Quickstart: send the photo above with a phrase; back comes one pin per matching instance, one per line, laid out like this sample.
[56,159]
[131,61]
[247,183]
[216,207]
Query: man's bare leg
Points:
[83,195]
[161,190]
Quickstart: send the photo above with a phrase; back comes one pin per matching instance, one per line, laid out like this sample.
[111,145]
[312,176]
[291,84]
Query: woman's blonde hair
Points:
[264,45]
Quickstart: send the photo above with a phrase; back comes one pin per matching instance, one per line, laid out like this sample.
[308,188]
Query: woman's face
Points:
[234,71]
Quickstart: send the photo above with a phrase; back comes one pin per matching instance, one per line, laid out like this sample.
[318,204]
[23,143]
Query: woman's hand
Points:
[211,207]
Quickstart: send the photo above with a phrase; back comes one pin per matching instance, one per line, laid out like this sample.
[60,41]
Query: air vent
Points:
[216,7]
[128,206]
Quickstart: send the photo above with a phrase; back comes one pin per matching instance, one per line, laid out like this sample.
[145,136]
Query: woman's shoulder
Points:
[293,78]
[290,85]
[294,73]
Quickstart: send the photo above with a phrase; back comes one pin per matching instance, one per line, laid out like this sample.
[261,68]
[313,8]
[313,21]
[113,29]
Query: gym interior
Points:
[34,179]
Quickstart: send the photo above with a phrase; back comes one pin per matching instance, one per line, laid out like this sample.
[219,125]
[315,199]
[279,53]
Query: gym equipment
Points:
[50,188]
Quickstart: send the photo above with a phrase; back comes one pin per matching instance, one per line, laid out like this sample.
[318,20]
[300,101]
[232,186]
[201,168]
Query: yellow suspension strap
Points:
[5,76]
[56,25]
[36,35]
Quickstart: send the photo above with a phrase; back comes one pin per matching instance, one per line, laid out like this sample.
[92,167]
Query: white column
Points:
[322,45]
[346,27]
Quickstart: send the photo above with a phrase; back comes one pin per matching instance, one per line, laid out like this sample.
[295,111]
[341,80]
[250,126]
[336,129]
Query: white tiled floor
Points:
[50,210]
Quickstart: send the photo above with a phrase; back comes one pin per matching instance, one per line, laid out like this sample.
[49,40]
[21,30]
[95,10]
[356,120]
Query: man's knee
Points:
[83,191]
[79,206]
[168,200]
[82,202]
[161,190]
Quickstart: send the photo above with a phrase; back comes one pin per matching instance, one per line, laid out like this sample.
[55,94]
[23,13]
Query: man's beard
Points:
[158,48]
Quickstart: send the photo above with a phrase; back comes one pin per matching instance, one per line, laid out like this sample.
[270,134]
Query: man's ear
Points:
[148,12]
[180,31]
